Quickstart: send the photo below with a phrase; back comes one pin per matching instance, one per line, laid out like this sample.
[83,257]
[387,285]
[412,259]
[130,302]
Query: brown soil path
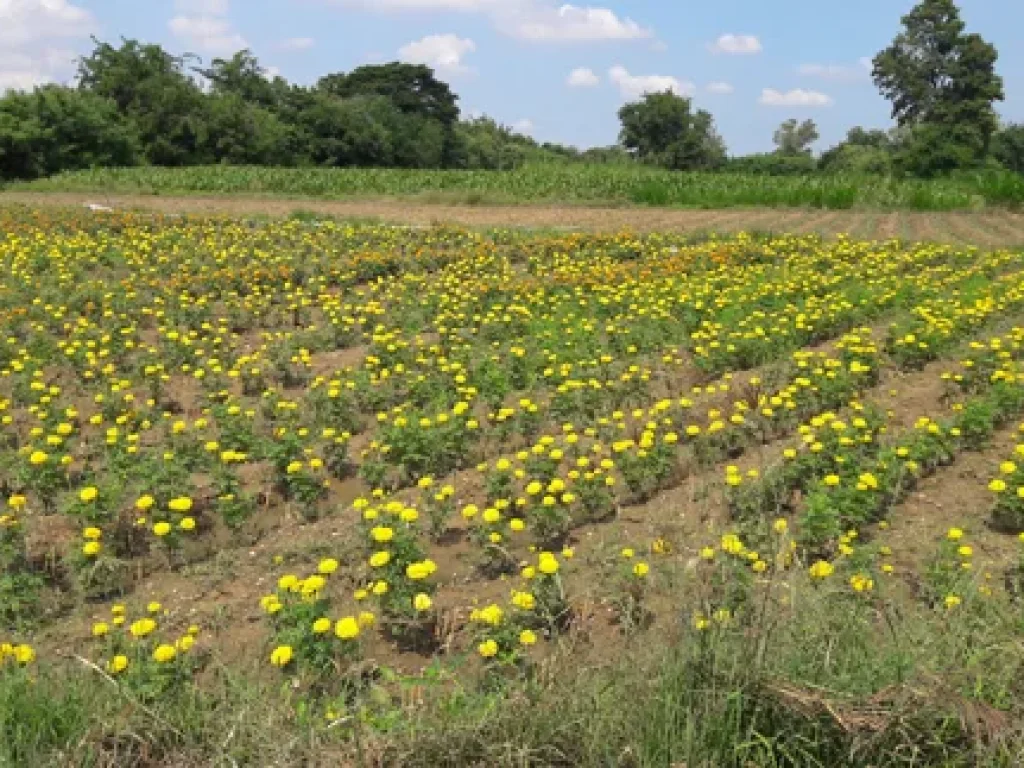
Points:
[1000,227]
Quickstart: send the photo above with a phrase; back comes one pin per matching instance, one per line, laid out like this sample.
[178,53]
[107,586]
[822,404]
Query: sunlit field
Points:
[303,492]
[568,183]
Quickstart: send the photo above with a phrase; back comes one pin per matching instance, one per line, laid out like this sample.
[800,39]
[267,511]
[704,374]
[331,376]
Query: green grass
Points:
[833,680]
[573,184]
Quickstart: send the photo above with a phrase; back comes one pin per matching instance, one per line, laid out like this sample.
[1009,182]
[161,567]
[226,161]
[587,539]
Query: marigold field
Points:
[288,492]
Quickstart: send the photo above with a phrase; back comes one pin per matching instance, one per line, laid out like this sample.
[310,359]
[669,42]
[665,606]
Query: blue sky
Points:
[558,71]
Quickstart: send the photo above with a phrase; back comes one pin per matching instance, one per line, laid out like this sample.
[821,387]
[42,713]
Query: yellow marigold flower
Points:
[707,553]
[322,625]
[366,619]
[164,653]
[997,485]
[781,525]
[180,504]
[144,502]
[822,569]
[281,656]
[88,494]
[641,569]
[289,582]
[416,571]
[118,664]
[381,534]
[952,601]
[327,566]
[92,533]
[861,583]
[187,524]
[1007,467]
[347,628]
[154,607]
[17,501]
[487,649]
[91,548]
[832,480]
[547,564]
[422,602]
[380,559]
[162,528]
[954,534]
[527,637]
[142,627]
[100,628]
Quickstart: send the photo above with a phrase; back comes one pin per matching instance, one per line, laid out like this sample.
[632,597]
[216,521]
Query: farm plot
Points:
[344,453]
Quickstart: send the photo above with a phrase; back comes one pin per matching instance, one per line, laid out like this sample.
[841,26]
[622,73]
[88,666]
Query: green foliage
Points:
[54,129]
[152,90]
[942,82]
[606,183]
[794,137]
[772,164]
[1008,147]
[662,129]
[137,103]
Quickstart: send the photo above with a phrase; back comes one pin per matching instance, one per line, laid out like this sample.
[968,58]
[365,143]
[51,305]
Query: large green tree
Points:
[795,138]
[663,129]
[415,91]
[152,89]
[942,84]
[862,151]
[1008,146]
[54,129]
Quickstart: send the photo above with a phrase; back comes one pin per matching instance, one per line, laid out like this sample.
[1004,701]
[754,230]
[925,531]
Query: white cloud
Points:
[203,24]
[738,45]
[28,21]
[535,20]
[442,52]
[797,97]
[421,5]
[634,86]
[296,44]
[23,70]
[523,126]
[209,34]
[582,77]
[720,87]
[838,72]
[33,34]
[202,7]
[568,22]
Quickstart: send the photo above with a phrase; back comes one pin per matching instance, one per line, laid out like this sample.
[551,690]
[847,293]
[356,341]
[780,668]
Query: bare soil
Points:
[984,228]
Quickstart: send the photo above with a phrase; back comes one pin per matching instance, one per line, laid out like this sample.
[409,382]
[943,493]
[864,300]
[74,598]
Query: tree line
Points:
[941,83]
[138,104]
